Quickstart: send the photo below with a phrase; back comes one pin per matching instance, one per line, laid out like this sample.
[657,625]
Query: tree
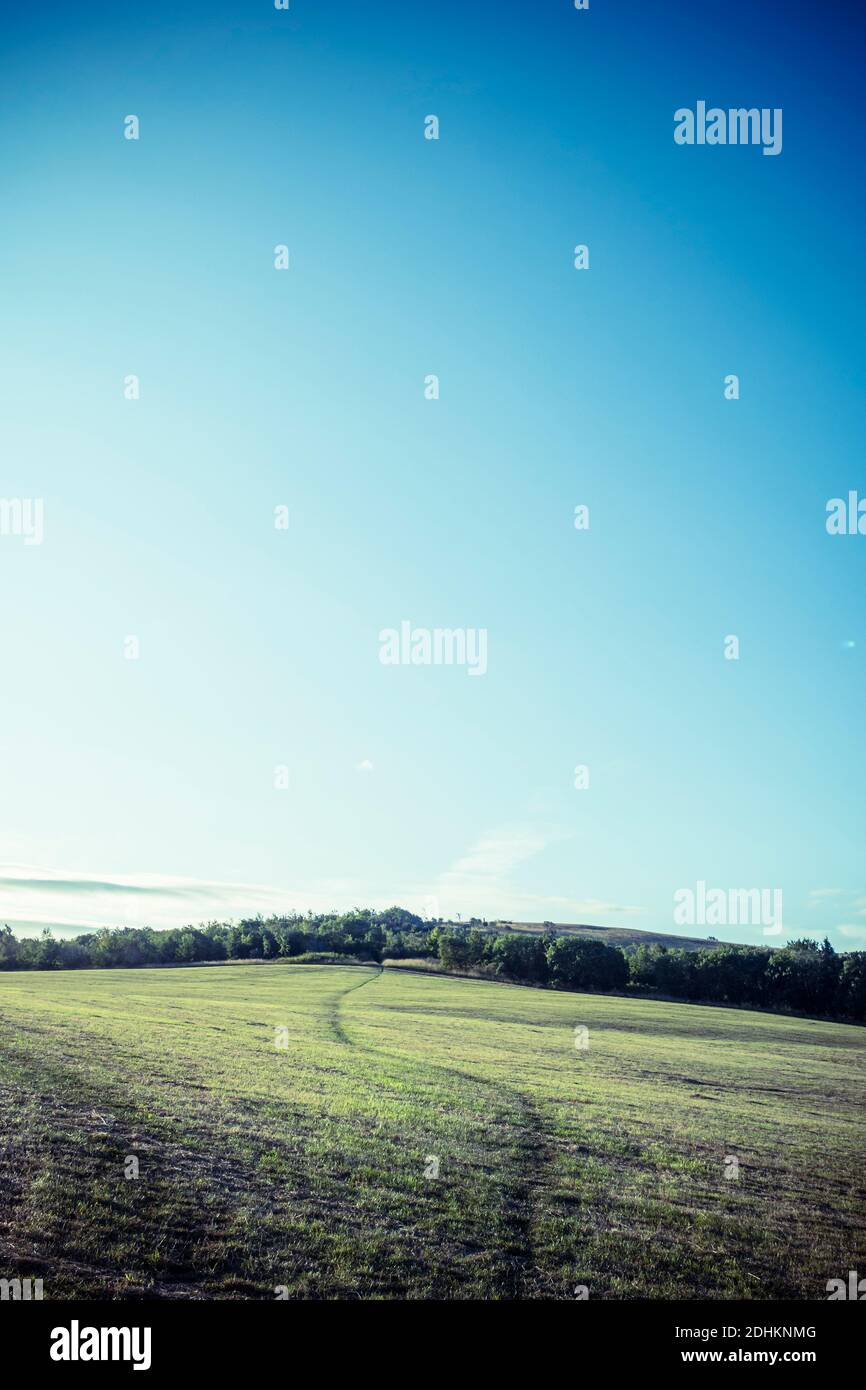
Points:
[575,963]
[851,993]
[642,963]
[8,949]
[731,974]
[47,952]
[676,974]
[462,949]
[798,976]
[520,957]
[399,919]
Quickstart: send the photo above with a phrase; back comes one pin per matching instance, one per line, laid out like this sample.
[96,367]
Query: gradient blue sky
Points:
[143,791]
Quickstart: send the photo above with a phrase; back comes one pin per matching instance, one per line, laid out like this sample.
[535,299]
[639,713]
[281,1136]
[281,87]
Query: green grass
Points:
[304,1167]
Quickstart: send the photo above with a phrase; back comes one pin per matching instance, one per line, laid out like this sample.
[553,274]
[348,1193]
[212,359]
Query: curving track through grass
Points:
[306,1167]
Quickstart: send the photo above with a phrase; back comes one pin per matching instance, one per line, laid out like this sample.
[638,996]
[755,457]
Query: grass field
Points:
[310,1166]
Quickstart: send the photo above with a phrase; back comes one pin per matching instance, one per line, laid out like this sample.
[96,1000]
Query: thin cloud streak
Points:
[480,883]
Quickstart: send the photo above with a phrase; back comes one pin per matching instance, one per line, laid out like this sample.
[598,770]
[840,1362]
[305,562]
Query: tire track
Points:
[334,1020]
[528,1149]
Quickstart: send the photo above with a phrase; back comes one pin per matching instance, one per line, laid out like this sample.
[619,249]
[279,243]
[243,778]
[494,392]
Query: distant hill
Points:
[618,936]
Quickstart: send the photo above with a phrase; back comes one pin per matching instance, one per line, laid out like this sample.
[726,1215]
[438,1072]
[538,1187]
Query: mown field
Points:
[289,1123]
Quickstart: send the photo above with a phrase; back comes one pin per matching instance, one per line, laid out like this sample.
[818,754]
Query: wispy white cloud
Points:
[42,883]
[496,854]
[481,882]
[856,902]
[86,901]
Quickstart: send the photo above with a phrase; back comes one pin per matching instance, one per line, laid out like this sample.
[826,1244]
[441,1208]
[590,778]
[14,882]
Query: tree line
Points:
[804,976]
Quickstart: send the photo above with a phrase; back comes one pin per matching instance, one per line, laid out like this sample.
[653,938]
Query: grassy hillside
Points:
[311,1166]
[621,936]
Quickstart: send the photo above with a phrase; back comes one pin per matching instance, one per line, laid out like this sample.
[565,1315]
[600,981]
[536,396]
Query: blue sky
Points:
[143,790]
